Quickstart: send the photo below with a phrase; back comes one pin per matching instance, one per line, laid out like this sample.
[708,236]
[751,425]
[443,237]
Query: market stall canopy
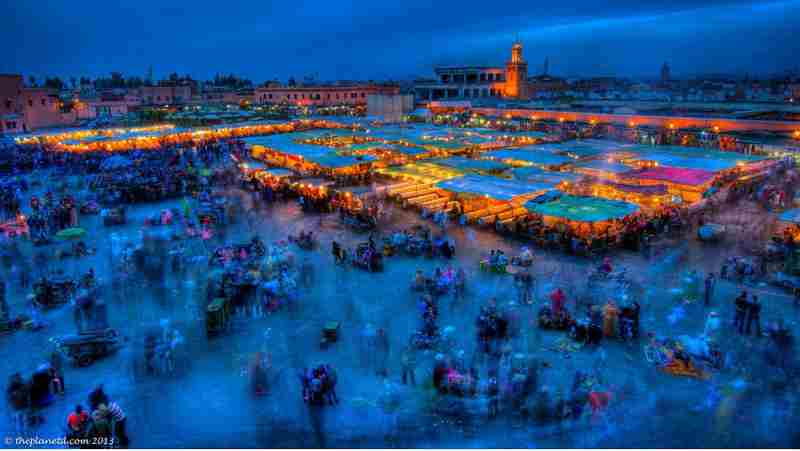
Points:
[792,216]
[698,152]
[314,182]
[534,174]
[276,172]
[355,191]
[471,165]
[688,162]
[584,149]
[601,167]
[529,156]
[650,190]
[421,172]
[678,176]
[583,208]
[407,150]
[494,187]
[253,165]
[332,160]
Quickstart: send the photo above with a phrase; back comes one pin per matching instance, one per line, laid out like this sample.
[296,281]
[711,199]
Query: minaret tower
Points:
[516,74]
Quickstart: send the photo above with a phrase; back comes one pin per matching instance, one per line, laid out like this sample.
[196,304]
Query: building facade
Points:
[164,95]
[321,95]
[389,108]
[474,82]
[11,107]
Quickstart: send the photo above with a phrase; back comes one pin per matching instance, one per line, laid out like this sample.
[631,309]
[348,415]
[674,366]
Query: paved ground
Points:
[209,405]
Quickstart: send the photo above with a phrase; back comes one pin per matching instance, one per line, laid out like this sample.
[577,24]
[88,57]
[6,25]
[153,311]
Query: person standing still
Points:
[754,315]
[408,360]
[710,283]
[741,306]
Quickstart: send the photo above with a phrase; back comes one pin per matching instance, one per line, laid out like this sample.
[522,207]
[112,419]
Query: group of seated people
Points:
[497,260]
[440,282]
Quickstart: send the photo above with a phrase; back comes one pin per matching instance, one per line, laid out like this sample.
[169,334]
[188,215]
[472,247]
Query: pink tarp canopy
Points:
[678,176]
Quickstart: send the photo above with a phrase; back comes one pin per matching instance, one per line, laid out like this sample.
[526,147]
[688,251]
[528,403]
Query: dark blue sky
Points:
[365,39]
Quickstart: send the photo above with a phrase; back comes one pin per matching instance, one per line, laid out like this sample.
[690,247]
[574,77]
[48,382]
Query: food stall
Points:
[530,157]
[689,184]
[579,211]
[488,200]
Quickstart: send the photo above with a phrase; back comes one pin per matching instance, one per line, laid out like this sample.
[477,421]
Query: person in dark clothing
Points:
[97,397]
[710,282]
[741,305]
[493,393]
[18,396]
[754,315]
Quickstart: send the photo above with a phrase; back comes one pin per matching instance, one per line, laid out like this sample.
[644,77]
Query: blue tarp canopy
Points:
[603,166]
[792,216]
[527,155]
[587,148]
[494,187]
[688,161]
[697,152]
[471,165]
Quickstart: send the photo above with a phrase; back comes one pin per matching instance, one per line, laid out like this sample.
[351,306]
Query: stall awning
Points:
[534,174]
[493,187]
[650,190]
[602,166]
[530,156]
[583,208]
[792,216]
[471,165]
[421,172]
[678,176]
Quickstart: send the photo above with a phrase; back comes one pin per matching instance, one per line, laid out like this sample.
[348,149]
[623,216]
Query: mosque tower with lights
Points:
[516,86]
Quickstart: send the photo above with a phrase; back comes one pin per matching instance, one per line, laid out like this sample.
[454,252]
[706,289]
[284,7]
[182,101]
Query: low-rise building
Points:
[323,95]
[164,95]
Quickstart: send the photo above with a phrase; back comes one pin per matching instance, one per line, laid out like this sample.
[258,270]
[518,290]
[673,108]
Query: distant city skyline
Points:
[361,40]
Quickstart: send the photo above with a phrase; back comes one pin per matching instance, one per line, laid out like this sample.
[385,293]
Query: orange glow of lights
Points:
[632,124]
[716,129]
[672,126]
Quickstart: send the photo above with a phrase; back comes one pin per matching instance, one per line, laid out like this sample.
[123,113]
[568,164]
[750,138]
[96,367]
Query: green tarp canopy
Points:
[583,208]
[494,187]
